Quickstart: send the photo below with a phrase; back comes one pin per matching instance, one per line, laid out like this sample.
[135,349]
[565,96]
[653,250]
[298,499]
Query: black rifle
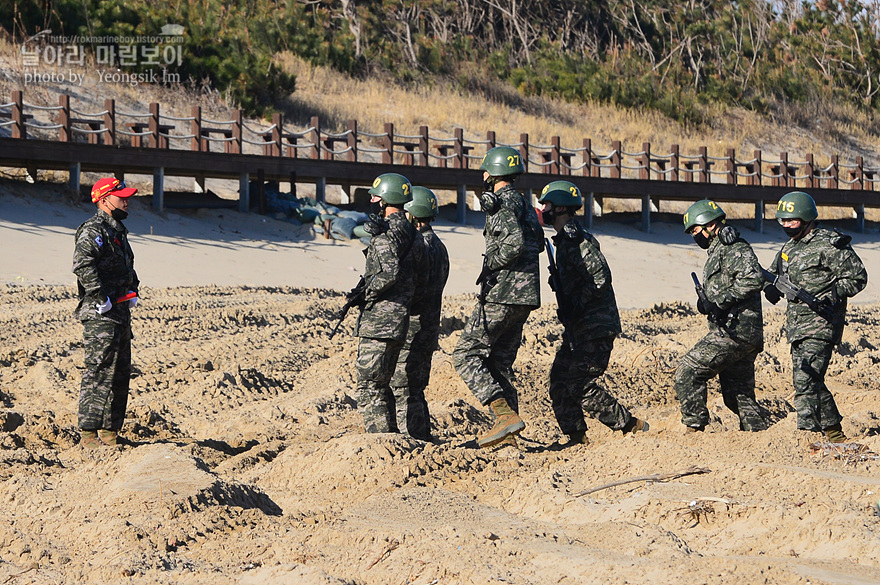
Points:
[711,310]
[487,279]
[356,297]
[791,291]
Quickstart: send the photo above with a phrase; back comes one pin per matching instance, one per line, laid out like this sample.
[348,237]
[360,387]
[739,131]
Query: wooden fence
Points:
[432,160]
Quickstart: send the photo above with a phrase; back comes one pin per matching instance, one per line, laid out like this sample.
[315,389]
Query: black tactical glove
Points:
[772,294]
[710,309]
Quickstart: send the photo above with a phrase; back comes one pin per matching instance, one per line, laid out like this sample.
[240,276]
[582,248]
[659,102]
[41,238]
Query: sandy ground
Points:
[248,463]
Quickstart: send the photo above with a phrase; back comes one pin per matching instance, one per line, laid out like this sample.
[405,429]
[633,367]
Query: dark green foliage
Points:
[666,55]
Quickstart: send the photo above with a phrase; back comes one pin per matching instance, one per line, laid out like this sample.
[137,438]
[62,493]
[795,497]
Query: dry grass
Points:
[373,101]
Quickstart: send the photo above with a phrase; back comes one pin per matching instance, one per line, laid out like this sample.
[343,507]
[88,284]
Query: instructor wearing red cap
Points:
[104,266]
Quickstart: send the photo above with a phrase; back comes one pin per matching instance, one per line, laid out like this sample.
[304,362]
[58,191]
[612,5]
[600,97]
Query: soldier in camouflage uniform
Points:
[107,286]
[414,362]
[588,311]
[510,290]
[732,283]
[384,317]
[822,262]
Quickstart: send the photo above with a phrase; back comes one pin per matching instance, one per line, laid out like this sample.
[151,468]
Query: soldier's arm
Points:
[389,265]
[594,275]
[85,262]
[746,276]
[509,243]
[850,274]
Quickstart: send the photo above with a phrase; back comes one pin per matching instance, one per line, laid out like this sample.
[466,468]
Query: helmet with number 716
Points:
[392,188]
[797,205]
[502,161]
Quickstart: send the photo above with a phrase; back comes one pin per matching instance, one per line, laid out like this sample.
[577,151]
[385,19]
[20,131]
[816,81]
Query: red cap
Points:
[111,186]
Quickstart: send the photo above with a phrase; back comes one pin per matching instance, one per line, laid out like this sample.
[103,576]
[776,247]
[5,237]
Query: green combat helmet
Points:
[562,194]
[702,213]
[423,204]
[392,188]
[797,205]
[502,161]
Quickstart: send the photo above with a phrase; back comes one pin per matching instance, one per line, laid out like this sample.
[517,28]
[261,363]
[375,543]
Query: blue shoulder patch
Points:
[99,241]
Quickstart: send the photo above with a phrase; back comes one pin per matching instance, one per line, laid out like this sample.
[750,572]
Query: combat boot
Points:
[636,425]
[508,441]
[89,439]
[507,422]
[688,430]
[578,438]
[834,434]
[110,438]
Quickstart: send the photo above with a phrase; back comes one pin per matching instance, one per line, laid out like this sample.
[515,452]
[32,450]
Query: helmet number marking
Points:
[405,188]
[786,206]
[513,160]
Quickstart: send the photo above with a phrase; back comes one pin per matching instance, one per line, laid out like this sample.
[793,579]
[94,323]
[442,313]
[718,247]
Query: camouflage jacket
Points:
[587,298]
[432,271]
[104,266]
[732,280]
[514,239]
[824,264]
[390,281]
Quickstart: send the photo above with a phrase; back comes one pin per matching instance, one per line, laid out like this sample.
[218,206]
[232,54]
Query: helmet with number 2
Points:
[423,204]
[702,213]
[562,194]
[392,188]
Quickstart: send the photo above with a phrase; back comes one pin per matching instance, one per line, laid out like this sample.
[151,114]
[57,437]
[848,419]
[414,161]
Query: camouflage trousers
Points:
[487,348]
[411,377]
[103,395]
[375,364]
[573,386]
[734,364]
[815,405]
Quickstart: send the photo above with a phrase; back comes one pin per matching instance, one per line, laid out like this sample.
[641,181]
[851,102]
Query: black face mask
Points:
[702,240]
[377,208]
[548,217]
[489,184]
[792,232]
[118,214]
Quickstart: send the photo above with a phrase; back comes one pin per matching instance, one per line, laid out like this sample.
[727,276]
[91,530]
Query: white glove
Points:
[103,307]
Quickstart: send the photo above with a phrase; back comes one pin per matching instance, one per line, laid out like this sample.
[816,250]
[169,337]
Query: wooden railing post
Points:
[423,146]
[783,168]
[278,134]
[65,133]
[810,171]
[490,138]
[110,122]
[353,140]
[674,163]
[388,155]
[524,150]
[154,125]
[554,155]
[588,158]
[460,161]
[195,128]
[645,162]
[834,172]
[703,176]
[859,173]
[315,151]
[731,167]
[19,129]
[616,159]
[757,179]
[237,131]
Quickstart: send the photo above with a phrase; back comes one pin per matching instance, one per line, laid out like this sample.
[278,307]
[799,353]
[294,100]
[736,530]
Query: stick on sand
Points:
[653,477]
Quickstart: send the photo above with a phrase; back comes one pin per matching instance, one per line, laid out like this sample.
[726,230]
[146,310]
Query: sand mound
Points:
[247,462]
